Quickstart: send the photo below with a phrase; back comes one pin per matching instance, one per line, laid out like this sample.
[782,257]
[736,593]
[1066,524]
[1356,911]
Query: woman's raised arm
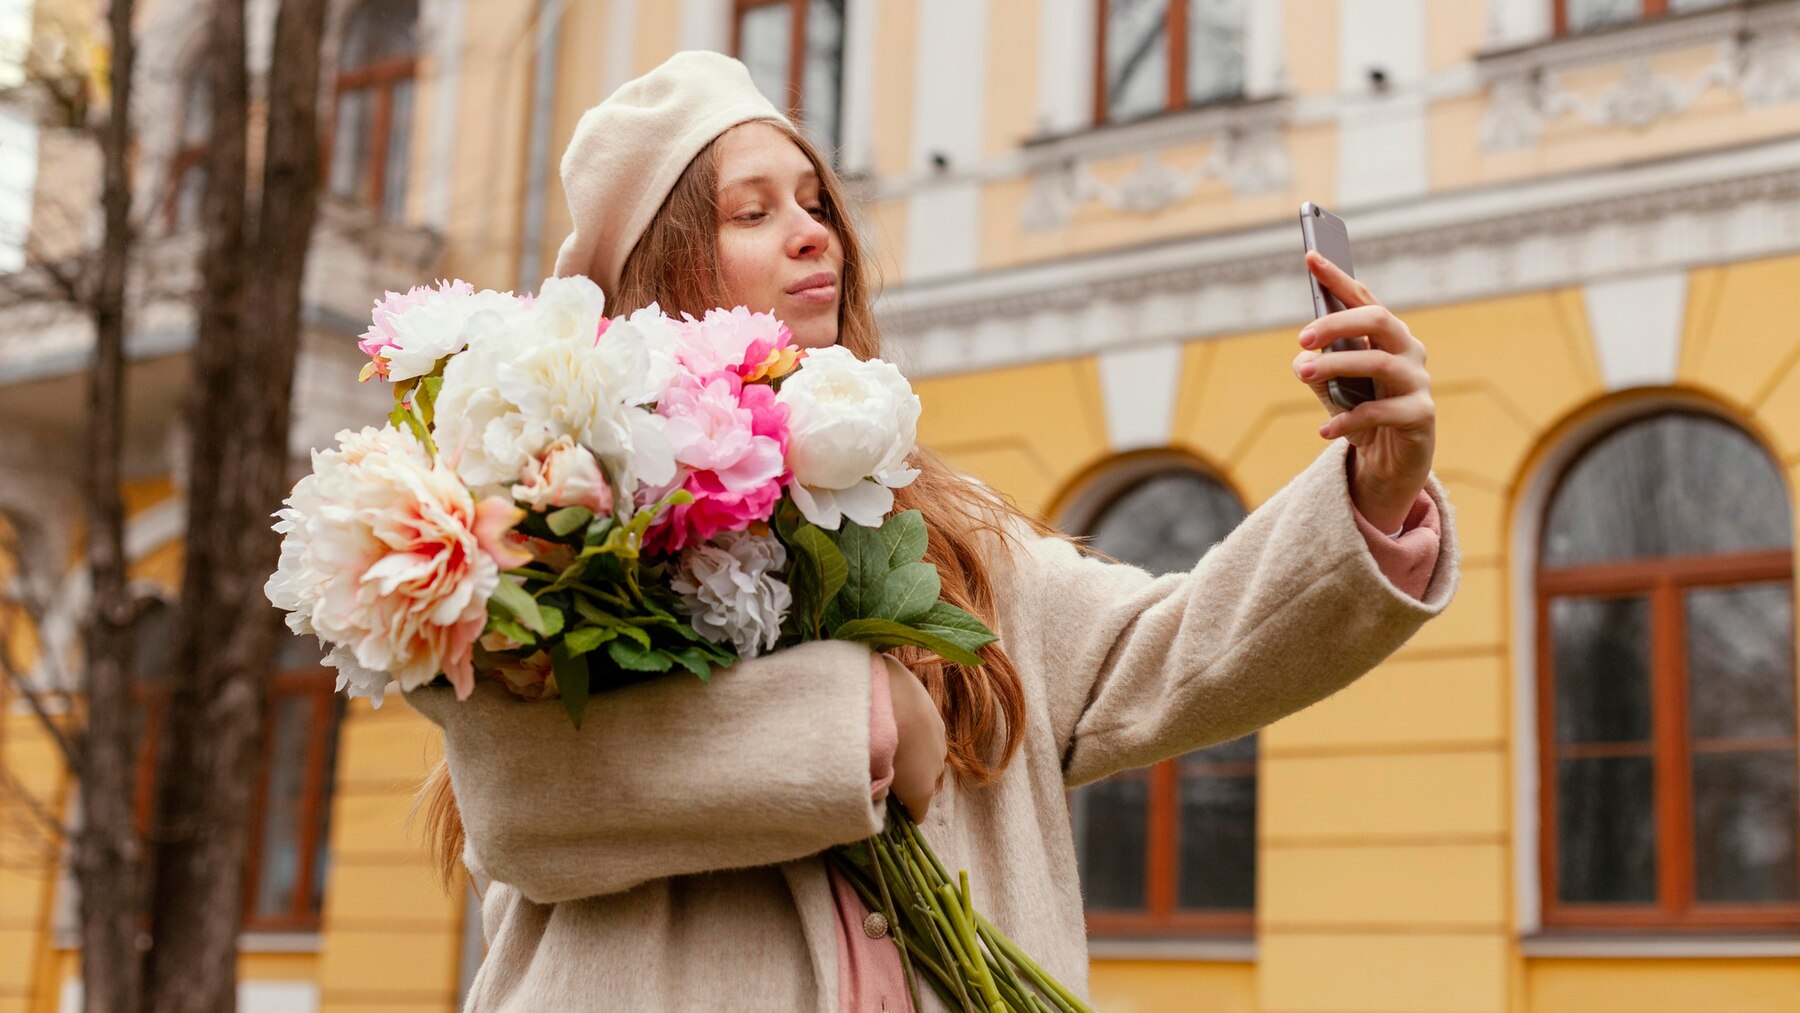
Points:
[768,762]
[1286,610]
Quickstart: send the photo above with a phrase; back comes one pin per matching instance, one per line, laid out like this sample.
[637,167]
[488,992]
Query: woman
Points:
[666,856]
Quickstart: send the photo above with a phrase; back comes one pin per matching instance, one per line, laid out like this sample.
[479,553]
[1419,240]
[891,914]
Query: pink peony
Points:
[565,474]
[754,346]
[388,560]
[730,442]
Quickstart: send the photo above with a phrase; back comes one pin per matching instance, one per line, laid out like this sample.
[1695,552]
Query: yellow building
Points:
[1575,791]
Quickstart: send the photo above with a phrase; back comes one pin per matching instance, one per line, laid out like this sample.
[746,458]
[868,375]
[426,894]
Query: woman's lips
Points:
[820,295]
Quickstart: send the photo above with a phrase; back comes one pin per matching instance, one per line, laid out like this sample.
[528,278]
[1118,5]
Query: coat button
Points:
[876,925]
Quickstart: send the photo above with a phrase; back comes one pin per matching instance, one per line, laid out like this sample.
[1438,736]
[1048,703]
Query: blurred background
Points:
[1574,791]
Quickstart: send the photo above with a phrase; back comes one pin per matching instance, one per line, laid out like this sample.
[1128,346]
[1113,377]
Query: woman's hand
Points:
[1395,434]
[919,760]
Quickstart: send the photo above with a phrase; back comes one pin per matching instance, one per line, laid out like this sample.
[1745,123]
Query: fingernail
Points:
[1325,429]
[1306,337]
[1307,370]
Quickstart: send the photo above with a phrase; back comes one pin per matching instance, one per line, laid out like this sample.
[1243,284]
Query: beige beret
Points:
[629,151]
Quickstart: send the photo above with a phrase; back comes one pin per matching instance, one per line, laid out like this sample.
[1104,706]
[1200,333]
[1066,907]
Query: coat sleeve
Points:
[1286,610]
[767,763]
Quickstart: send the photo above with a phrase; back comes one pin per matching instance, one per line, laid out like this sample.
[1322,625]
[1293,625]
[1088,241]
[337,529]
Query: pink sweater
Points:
[870,978]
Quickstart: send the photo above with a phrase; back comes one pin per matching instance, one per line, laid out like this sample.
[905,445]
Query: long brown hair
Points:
[676,264]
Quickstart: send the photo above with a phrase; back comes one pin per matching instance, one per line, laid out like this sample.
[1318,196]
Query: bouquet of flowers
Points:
[563,502]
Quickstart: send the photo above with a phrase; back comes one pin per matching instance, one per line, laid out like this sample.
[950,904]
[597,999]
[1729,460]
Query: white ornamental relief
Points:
[1250,160]
[1762,67]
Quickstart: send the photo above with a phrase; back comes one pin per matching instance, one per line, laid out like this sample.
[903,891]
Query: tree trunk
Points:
[107,864]
[244,381]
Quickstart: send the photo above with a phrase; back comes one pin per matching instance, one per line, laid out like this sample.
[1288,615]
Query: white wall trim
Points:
[1716,207]
[857,108]
[705,24]
[621,44]
[1065,72]
[1138,387]
[1637,324]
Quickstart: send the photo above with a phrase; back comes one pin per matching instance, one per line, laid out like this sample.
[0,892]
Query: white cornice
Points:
[1717,207]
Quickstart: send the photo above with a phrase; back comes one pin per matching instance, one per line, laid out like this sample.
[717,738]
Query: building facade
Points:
[1573,791]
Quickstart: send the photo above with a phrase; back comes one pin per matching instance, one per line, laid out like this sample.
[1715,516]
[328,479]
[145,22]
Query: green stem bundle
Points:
[971,965]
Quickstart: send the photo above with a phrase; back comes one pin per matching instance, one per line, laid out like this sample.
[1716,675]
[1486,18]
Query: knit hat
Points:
[629,151]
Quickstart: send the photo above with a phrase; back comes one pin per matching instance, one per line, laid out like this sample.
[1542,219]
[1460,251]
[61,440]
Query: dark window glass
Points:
[1215,52]
[1137,58]
[1740,661]
[822,82]
[1746,821]
[1602,668]
[1606,830]
[1217,828]
[1111,823]
[1672,485]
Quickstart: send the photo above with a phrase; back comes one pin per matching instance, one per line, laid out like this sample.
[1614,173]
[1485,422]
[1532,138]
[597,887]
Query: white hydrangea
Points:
[730,593]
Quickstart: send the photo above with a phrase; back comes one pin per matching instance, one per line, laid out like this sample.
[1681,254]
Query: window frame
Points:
[381,79]
[1662,581]
[1559,16]
[1082,510]
[1162,915]
[324,727]
[1175,97]
[799,12]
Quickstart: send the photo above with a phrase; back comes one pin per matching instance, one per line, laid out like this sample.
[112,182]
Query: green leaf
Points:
[512,629]
[581,641]
[634,658]
[953,624]
[910,592]
[509,600]
[866,562]
[565,521]
[571,681]
[694,660]
[829,559]
[905,536]
[597,529]
[553,619]
[427,396]
[885,633]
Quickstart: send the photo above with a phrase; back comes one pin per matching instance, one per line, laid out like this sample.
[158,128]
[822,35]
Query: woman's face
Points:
[775,250]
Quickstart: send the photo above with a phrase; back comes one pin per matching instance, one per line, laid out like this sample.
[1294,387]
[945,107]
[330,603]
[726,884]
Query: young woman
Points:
[666,857]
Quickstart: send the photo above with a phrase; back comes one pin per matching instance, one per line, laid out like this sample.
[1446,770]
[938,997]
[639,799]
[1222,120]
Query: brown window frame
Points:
[1672,746]
[796,69]
[313,682]
[1162,914]
[1647,9]
[382,78]
[1176,28]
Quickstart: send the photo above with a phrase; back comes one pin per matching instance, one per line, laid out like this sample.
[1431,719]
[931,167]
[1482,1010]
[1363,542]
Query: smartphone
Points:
[1325,232]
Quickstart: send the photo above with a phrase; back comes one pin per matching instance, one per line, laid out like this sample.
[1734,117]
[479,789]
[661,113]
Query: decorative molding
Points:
[1712,208]
[1758,59]
[1250,154]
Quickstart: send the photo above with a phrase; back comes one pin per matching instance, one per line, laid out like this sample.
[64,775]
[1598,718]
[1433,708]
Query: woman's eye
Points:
[816,212]
[749,216]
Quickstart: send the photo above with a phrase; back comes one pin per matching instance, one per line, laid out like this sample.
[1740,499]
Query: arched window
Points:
[1666,704]
[1171,847]
[794,50]
[372,127]
[187,170]
[1159,55]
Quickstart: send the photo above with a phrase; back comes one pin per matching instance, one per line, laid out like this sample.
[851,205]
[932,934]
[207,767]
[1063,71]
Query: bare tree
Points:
[107,863]
[243,385]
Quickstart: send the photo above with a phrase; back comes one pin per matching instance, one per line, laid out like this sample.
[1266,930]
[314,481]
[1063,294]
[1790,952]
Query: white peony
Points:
[730,594]
[659,333]
[566,475]
[388,560]
[560,370]
[424,333]
[852,423]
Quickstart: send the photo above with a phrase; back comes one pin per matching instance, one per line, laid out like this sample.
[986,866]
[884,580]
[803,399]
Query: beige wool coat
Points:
[665,857]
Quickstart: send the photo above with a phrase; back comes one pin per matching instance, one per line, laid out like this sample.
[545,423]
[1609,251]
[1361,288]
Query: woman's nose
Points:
[810,236]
